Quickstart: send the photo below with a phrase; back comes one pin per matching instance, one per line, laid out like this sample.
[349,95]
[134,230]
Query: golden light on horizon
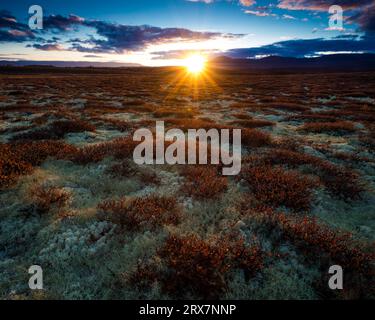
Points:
[195,63]
[194,79]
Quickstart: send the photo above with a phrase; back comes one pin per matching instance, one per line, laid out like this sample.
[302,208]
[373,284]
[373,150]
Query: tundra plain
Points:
[73,201]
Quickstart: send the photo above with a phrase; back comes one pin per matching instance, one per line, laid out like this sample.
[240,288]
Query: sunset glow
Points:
[195,64]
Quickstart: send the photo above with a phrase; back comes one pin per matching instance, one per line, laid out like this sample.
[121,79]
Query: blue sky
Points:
[162,32]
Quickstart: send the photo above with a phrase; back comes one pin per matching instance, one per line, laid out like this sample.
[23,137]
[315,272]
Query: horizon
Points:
[166,32]
[283,62]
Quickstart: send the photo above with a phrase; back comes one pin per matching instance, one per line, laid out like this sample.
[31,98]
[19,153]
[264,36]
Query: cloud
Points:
[365,18]
[289,17]
[259,13]
[362,12]
[111,37]
[47,47]
[301,48]
[87,49]
[205,1]
[262,11]
[92,56]
[9,21]
[15,36]
[245,3]
[119,38]
[344,43]
[321,5]
[181,54]
[61,23]
[13,31]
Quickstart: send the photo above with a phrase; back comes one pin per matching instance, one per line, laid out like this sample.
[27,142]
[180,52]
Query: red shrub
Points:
[133,214]
[18,159]
[126,169]
[203,182]
[254,123]
[329,127]
[289,143]
[176,114]
[39,134]
[62,127]
[43,198]
[277,187]
[89,154]
[291,158]
[121,148]
[120,125]
[331,246]
[254,138]
[11,166]
[340,181]
[36,152]
[185,124]
[56,130]
[200,268]
[350,157]
[288,106]
[311,117]
[242,116]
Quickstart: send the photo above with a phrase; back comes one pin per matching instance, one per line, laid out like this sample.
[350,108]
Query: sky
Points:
[155,33]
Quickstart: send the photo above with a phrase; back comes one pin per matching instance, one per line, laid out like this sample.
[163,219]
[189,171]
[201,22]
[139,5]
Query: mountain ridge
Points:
[364,61]
[67,64]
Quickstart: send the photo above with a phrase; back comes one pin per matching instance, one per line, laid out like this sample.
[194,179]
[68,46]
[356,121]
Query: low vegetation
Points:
[329,127]
[203,182]
[200,268]
[72,198]
[134,214]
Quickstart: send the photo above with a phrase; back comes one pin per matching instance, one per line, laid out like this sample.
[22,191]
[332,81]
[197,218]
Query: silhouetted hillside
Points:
[67,64]
[349,62]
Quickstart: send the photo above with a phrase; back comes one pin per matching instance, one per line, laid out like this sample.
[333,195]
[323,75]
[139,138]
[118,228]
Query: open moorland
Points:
[73,201]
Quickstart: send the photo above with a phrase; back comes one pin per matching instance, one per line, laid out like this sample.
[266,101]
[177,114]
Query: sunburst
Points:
[195,64]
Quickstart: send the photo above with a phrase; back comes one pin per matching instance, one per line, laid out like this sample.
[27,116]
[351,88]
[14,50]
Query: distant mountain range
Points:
[344,62]
[68,64]
[350,62]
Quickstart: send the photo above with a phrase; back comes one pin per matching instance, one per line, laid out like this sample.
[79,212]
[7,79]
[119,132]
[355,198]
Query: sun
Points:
[195,64]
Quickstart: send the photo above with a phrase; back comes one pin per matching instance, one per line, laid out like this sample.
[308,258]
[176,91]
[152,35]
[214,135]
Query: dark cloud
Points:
[92,56]
[116,38]
[361,12]
[349,36]
[119,38]
[365,18]
[61,23]
[47,47]
[111,37]
[322,5]
[301,48]
[80,48]
[245,3]
[13,31]
[8,21]
[14,35]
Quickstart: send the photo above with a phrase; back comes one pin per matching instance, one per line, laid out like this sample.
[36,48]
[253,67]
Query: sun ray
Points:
[195,63]
[194,80]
